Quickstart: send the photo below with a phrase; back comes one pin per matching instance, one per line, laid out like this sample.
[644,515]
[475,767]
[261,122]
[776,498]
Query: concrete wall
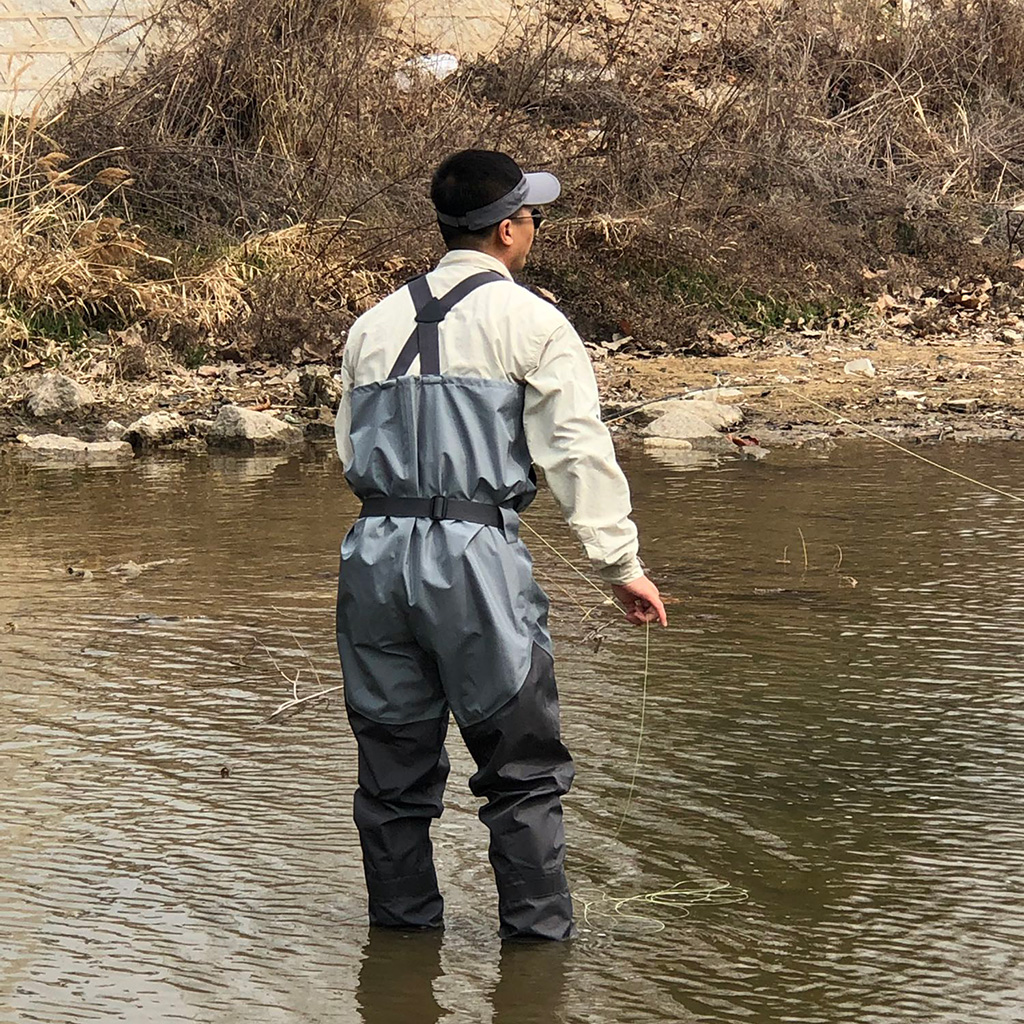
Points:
[51,44]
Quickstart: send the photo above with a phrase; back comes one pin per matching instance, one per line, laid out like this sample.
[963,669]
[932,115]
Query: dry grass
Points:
[263,179]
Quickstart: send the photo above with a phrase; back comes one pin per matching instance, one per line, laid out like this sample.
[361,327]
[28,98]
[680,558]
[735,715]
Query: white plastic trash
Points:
[434,66]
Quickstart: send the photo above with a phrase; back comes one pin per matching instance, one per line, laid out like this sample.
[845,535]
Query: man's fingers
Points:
[647,611]
[641,603]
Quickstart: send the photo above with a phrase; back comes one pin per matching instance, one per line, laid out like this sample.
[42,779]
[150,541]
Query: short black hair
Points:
[467,181]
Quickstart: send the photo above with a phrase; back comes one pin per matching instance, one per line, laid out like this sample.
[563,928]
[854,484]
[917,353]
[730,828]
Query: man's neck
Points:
[501,256]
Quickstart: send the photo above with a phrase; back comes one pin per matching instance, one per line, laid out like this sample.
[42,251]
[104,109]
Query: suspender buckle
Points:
[438,508]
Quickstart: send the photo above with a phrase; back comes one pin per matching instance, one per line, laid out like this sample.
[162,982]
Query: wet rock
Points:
[674,443]
[318,386]
[691,419]
[248,430]
[114,430]
[156,429]
[55,396]
[754,452]
[860,368]
[57,447]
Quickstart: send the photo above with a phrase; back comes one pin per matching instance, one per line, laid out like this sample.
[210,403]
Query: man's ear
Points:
[504,232]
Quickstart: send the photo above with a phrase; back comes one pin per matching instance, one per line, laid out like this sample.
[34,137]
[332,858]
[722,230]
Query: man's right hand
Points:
[641,601]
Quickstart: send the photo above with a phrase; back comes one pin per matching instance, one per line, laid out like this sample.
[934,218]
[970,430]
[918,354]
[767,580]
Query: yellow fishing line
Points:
[680,897]
[640,734]
[895,444]
[604,596]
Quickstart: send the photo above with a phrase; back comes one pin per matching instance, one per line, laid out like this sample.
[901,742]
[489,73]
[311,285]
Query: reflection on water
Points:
[843,741]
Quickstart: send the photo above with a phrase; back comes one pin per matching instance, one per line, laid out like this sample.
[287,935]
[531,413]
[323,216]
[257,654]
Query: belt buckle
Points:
[438,507]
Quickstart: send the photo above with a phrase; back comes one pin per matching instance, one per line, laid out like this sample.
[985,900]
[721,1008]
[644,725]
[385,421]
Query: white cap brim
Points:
[541,188]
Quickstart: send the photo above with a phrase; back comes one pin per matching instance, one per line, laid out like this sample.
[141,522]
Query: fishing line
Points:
[605,599]
[622,910]
[646,671]
[900,447]
[679,897]
[640,734]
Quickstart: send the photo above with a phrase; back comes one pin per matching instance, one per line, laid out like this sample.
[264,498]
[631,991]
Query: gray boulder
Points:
[692,420]
[57,447]
[55,396]
[156,429]
[248,430]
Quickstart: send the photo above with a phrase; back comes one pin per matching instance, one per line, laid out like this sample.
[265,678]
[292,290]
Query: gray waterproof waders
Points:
[438,610]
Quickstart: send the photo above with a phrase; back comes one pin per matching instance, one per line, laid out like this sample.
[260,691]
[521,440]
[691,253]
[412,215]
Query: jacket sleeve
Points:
[343,418]
[562,417]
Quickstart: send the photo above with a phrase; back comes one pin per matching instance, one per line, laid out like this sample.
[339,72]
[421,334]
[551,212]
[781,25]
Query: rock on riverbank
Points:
[55,396]
[249,430]
[59,448]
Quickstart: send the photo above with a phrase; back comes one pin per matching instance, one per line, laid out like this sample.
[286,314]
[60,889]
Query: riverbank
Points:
[799,388]
[791,389]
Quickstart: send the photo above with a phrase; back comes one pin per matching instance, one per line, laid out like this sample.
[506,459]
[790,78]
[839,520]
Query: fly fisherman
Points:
[452,388]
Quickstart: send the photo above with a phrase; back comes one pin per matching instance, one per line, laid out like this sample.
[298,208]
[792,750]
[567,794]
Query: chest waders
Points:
[438,611]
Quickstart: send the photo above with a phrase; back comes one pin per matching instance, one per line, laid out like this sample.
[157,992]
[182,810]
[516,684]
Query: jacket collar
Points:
[472,259]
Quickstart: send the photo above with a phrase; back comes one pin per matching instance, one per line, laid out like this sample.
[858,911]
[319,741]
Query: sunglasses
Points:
[536,216]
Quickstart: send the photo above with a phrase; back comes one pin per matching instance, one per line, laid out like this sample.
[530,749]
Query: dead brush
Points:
[742,166]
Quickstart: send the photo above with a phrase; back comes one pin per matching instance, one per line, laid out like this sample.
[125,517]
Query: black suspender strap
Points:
[424,340]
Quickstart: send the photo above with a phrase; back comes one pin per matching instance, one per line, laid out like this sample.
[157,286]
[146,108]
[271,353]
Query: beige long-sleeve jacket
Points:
[504,332]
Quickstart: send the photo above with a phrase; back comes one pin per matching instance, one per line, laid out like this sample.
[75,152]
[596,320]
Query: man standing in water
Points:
[452,388]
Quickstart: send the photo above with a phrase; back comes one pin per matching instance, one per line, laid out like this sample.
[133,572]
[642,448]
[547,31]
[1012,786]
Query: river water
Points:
[843,744]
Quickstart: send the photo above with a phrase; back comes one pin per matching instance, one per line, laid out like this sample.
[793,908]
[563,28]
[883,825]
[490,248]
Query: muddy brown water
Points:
[850,756]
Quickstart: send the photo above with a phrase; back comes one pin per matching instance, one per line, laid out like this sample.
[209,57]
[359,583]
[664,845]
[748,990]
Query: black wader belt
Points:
[433,508]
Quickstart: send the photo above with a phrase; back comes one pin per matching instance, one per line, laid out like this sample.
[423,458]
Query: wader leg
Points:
[402,772]
[523,770]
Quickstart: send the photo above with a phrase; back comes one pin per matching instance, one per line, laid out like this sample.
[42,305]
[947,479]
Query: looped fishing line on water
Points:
[679,897]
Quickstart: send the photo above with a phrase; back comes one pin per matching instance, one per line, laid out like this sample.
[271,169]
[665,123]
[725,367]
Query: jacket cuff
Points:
[622,572]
